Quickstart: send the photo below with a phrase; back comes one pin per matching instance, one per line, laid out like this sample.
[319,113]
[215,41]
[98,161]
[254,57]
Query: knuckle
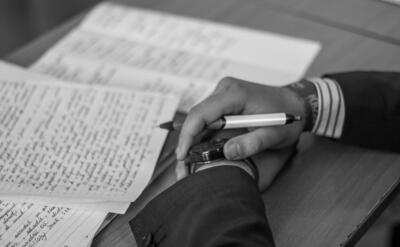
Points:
[226,80]
[196,112]
[227,83]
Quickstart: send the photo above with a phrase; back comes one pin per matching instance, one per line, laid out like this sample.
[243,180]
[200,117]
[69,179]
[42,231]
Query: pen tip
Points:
[167,126]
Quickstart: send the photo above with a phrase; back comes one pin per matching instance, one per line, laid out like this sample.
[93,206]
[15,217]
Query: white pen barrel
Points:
[258,120]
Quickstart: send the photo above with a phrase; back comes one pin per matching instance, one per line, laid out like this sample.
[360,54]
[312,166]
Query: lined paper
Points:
[79,141]
[13,72]
[27,224]
[262,49]
[147,50]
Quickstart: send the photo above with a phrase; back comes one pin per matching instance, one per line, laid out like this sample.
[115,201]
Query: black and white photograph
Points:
[199,123]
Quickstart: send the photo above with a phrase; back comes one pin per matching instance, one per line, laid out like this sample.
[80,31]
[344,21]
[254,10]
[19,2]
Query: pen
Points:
[242,121]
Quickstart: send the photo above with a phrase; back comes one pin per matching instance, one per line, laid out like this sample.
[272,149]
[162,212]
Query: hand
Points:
[233,97]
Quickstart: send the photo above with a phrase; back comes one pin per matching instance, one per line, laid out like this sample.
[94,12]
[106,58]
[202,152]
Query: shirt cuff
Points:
[331,108]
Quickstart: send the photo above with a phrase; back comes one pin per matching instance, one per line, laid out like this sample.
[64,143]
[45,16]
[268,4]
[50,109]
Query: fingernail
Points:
[232,151]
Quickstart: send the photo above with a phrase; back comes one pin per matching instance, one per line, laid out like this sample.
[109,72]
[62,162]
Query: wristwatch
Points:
[211,154]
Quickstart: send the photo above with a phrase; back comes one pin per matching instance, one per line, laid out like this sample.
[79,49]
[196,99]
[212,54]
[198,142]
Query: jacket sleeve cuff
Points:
[187,211]
[331,108]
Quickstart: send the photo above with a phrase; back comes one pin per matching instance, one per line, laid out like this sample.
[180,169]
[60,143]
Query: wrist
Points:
[306,92]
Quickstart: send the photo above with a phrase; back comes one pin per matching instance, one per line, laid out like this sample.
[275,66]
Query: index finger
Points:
[212,108]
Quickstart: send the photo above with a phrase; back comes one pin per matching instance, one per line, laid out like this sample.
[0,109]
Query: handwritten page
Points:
[71,67]
[79,141]
[27,224]
[261,49]
[118,207]
[143,56]
[14,72]
[146,50]
[91,58]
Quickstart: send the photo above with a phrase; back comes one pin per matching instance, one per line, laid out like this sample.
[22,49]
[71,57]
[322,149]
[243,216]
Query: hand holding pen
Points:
[236,97]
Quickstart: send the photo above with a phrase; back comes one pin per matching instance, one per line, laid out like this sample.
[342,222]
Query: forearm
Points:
[215,207]
[372,102]
[359,108]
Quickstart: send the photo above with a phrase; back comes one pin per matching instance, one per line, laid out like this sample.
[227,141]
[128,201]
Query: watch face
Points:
[206,152]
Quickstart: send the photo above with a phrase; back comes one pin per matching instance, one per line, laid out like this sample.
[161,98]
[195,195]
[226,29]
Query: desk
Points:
[328,190]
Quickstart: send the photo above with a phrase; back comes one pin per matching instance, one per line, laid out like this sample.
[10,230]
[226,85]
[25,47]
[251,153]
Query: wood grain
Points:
[329,188]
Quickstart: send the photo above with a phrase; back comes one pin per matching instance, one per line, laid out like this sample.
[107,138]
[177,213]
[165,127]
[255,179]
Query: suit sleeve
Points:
[216,207]
[372,105]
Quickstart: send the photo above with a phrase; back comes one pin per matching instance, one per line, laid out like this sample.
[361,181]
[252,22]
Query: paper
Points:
[142,56]
[79,141]
[261,49]
[26,224]
[147,50]
[74,203]
[83,70]
[14,72]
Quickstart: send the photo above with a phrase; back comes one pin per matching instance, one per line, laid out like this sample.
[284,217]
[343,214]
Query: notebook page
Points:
[74,203]
[97,59]
[153,58]
[26,224]
[76,68]
[79,141]
[14,72]
[260,49]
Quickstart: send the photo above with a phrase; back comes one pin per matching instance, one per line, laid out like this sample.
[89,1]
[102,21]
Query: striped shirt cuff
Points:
[331,108]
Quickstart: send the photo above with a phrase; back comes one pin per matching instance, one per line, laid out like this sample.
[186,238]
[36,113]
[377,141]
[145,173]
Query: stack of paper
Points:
[142,49]
[71,152]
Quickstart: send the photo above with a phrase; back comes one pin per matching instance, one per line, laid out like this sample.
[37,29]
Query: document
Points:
[27,224]
[14,72]
[73,203]
[76,68]
[147,50]
[261,49]
[35,109]
[79,141]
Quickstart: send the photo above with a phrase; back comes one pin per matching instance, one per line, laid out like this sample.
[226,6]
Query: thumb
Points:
[246,145]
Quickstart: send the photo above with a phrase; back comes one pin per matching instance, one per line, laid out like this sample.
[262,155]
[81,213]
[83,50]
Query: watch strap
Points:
[247,165]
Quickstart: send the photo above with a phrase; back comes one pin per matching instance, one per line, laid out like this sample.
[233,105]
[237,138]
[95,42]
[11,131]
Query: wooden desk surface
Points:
[371,18]
[329,190]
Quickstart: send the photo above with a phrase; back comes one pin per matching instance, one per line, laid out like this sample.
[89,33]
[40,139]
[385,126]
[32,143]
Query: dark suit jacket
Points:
[222,206]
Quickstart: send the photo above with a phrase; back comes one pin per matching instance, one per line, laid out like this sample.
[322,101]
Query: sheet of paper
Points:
[71,67]
[26,224]
[153,58]
[147,50]
[74,203]
[79,141]
[261,49]
[14,72]
[92,58]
